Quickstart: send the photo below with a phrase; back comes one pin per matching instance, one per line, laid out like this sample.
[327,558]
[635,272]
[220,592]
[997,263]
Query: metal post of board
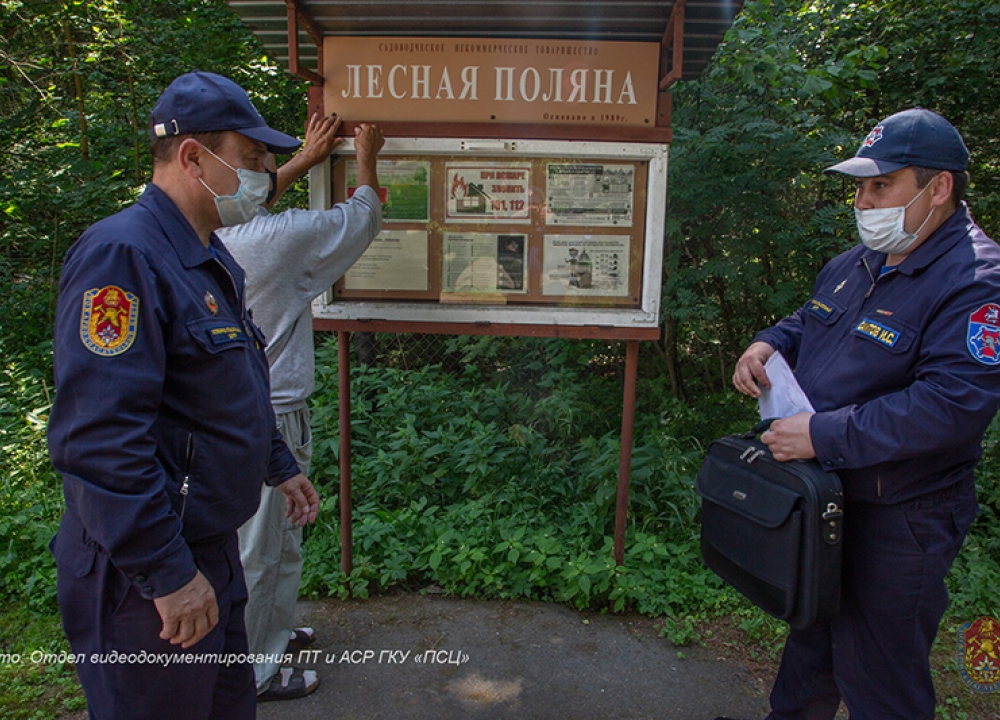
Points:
[344,391]
[296,16]
[625,454]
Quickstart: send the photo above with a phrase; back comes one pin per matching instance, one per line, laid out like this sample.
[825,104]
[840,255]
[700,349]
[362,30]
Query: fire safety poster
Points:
[491,193]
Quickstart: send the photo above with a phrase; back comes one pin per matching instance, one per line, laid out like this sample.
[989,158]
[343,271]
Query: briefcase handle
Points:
[759,429]
[833,515]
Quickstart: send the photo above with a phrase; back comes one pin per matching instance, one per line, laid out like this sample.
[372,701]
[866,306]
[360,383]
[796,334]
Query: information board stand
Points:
[485,258]
[581,223]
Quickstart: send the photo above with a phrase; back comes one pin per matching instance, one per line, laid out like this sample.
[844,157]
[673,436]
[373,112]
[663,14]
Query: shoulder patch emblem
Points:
[979,654]
[109,320]
[984,334]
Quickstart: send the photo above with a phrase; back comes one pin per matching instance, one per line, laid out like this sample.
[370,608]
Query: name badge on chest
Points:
[877,332]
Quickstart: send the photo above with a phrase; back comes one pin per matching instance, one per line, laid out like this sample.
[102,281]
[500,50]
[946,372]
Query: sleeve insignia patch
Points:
[109,320]
[979,654]
[984,334]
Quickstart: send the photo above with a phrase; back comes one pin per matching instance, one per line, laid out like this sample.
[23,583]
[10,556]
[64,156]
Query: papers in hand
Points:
[785,397]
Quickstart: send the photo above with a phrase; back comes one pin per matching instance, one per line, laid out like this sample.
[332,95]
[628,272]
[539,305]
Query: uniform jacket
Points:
[161,383]
[903,369]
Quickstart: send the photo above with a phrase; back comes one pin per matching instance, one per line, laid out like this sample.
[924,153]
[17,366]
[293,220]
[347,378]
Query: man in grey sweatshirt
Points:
[290,258]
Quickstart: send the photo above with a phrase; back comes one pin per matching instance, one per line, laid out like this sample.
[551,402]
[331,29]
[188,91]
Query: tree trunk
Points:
[78,84]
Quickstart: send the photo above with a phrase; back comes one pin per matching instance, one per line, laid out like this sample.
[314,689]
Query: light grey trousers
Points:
[270,550]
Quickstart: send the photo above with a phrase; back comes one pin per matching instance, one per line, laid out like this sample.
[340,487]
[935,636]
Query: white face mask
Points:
[251,194]
[881,229]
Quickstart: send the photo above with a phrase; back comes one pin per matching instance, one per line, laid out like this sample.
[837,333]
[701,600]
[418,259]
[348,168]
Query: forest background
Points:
[487,466]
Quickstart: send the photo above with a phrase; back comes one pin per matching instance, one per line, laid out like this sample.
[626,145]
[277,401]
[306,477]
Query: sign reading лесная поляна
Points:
[491,80]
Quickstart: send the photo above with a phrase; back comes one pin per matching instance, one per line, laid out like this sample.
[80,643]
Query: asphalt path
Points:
[417,656]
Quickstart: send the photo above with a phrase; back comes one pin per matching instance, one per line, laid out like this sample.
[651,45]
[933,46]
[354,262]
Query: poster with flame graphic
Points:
[495,192]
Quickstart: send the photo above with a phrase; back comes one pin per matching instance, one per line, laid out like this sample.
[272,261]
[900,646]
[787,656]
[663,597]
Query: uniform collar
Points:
[940,242]
[181,236]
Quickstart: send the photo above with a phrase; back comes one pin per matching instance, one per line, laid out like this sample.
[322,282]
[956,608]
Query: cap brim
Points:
[865,167]
[276,142]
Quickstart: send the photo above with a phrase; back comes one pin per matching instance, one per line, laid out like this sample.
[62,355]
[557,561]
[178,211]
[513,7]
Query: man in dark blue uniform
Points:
[162,426]
[899,351]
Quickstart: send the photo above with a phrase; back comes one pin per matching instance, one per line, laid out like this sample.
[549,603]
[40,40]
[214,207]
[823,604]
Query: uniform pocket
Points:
[939,530]
[75,557]
[217,335]
[824,309]
[893,336]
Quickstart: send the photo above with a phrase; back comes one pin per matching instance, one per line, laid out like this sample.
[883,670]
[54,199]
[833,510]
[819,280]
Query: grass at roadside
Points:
[33,684]
[755,641]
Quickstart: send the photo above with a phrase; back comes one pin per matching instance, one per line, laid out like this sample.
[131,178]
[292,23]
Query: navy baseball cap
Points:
[912,137]
[205,102]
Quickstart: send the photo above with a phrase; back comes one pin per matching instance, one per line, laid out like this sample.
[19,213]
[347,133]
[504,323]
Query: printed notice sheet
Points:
[396,260]
[487,192]
[404,188]
[589,194]
[484,262]
[595,265]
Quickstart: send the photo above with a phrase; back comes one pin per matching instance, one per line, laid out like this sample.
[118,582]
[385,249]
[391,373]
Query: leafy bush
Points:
[466,480]
[30,490]
[484,490]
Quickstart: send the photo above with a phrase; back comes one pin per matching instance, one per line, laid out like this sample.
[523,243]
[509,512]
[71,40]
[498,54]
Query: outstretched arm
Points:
[321,139]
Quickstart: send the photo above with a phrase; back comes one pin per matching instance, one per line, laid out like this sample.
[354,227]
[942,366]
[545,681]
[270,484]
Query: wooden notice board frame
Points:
[636,306]
[531,236]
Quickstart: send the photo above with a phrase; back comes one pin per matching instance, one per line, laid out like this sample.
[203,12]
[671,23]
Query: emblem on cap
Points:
[213,306]
[109,320]
[874,136]
[984,334]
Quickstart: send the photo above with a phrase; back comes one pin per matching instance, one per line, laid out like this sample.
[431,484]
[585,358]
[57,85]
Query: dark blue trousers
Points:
[102,613]
[876,653]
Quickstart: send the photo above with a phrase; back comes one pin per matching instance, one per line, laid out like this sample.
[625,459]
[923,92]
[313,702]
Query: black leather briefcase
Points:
[772,529]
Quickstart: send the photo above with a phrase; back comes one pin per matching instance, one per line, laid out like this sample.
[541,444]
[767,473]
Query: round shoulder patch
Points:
[109,320]
[984,334]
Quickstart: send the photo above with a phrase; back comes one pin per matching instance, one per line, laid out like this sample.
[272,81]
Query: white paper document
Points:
[785,397]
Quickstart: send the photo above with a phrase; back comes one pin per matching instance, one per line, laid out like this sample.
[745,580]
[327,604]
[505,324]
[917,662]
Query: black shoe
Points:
[290,683]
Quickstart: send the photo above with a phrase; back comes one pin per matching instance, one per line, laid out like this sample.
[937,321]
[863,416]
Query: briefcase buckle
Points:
[832,518]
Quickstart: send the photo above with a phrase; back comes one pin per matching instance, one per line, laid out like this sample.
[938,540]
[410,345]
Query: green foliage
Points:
[974,586]
[460,481]
[794,88]
[482,491]
[77,83]
[37,686]
[493,474]
[30,497]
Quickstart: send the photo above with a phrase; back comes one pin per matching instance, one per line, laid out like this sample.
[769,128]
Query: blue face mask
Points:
[251,194]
